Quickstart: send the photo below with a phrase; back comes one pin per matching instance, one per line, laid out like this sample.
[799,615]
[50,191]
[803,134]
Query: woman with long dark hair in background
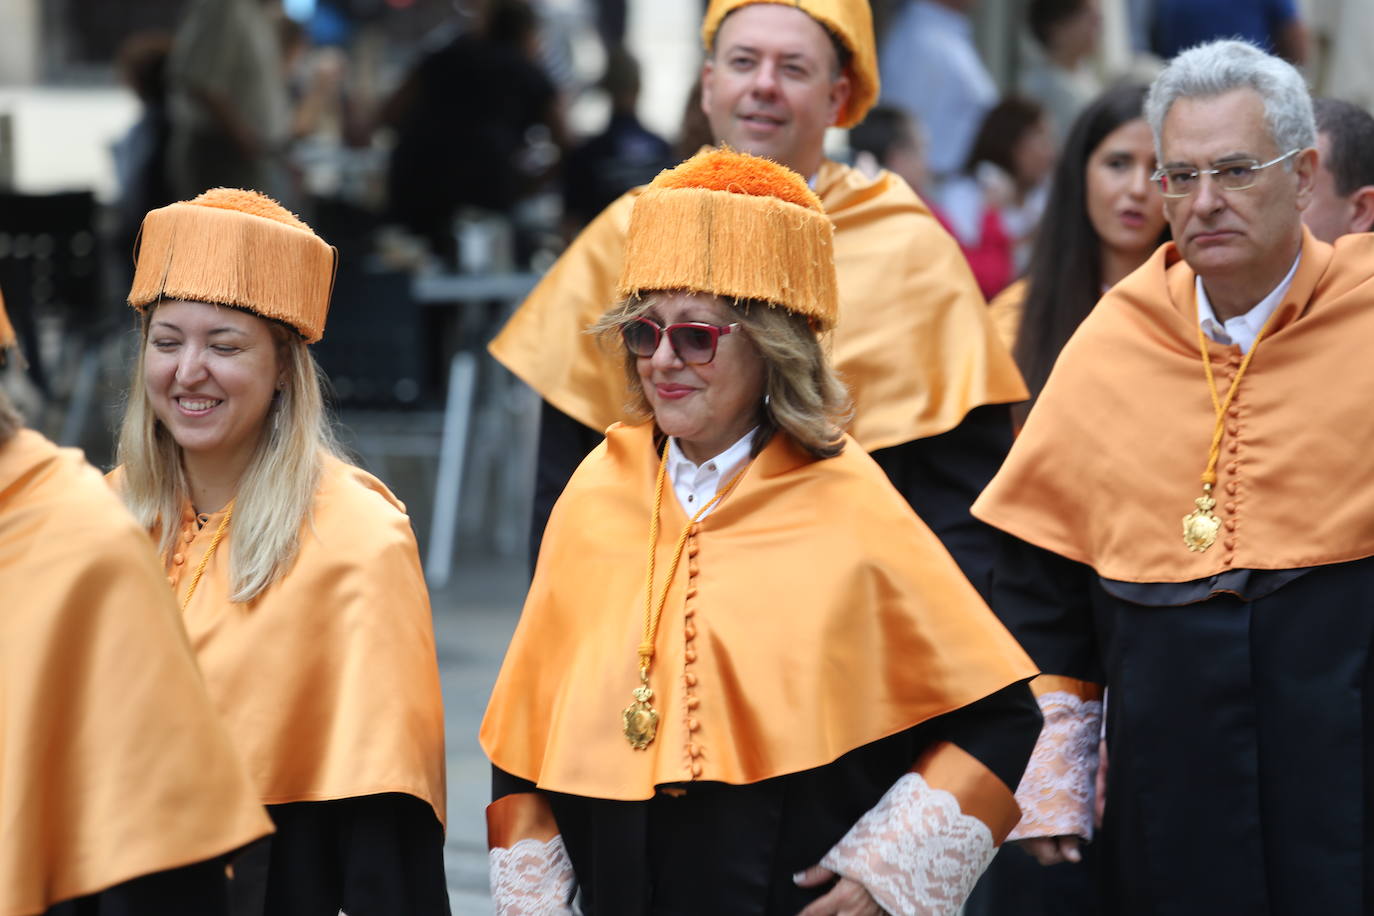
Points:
[1102,219]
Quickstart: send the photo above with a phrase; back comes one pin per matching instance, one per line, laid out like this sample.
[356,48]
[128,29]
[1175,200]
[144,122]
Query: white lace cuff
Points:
[916,852]
[532,878]
[1056,793]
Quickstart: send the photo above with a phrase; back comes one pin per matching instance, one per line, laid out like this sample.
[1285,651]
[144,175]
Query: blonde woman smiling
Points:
[297,574]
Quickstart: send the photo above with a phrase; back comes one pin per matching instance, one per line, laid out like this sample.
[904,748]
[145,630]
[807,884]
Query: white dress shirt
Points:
[1242,329]
[694,484]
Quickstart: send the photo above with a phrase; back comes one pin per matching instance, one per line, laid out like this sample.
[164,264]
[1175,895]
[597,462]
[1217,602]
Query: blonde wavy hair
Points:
[277,489]
[804,397]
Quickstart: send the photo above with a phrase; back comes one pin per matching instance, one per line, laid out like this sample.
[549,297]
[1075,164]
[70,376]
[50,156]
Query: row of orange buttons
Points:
[689,653]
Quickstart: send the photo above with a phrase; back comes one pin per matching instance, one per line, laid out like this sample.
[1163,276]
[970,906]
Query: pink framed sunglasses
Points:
[694,342]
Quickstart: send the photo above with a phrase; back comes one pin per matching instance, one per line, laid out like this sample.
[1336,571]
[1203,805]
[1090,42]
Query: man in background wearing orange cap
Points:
[122,793]
[929,378]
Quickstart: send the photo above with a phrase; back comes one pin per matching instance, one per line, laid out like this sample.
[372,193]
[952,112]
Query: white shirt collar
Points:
[693,484]
[1242,329]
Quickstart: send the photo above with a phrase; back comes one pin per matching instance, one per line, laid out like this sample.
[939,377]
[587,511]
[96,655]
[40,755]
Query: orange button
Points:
[1233,429]
[693,750]
[692,550]
[1232,487]
[688,611]
[690,678]
[692,592]
[188,537]
[172,581]
[1230,524]
[693,702]
[1230,543]
[696,769]
[1233,410]
[690,655]
[692,724]
[689,631]
[1230,507]
[692,568]
[1234,447]
[1233,467]
[696,527]
[179,559]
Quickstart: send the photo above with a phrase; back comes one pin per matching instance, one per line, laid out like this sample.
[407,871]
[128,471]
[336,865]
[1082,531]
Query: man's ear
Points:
[707,66]
[1305,167]
[840,91]
[1362,210]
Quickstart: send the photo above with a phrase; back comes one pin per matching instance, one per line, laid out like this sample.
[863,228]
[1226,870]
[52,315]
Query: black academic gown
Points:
[939,477]
[1240,729]
[742,844]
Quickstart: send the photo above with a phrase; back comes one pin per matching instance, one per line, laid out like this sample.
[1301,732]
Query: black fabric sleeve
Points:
[373,855]
[563,443]
[503,784]
[998,730]
[1046,601]
[201,888]
[941,476]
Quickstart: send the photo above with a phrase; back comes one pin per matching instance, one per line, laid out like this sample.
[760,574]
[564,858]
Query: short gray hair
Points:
[1223,66]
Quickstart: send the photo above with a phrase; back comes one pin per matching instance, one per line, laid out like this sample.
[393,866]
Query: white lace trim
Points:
[1056,792]
[915,852]
[532,878]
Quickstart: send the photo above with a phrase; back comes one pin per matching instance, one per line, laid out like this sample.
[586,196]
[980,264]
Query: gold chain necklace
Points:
[640,719]
[1201,526]
[209,552]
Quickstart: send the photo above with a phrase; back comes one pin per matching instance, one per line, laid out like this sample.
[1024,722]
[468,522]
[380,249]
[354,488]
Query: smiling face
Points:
[1123,204]
[210,374]
[1229,235]
[770,87]
[710,407]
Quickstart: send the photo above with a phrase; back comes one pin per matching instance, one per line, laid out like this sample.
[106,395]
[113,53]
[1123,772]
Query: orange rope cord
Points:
[1209,476]
[210,552]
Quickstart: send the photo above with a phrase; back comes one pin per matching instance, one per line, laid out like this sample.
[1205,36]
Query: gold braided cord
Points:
[220,532]
[1209,476]
[652,615]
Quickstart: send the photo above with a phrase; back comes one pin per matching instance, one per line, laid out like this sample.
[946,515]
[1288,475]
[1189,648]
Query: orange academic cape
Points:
[1111,456]
[113,764]
[328,681]
[812,614]
[914,343]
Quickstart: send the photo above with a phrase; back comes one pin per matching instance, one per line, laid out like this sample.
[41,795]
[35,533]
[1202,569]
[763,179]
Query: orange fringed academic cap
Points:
[238,248]
[736,226]
[850,20]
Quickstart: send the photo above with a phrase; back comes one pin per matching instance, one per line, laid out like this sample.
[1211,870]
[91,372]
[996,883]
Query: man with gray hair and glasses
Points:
[1188,521]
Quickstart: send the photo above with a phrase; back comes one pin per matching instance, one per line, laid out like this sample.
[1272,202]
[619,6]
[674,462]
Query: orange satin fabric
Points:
[1058,683]
[1006,310]
[1110,458]
[979,792]
[812,614]
[914,342]
[328,681]
[7,335]
[112,762]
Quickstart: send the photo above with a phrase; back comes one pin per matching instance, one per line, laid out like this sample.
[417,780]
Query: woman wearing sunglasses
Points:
[296,573]
[747,678]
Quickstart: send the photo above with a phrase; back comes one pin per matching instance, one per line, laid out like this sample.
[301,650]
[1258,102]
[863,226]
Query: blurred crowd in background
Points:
[471,137]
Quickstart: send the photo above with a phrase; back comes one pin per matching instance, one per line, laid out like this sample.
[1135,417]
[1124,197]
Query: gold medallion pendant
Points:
[641,719]
[1201,526]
